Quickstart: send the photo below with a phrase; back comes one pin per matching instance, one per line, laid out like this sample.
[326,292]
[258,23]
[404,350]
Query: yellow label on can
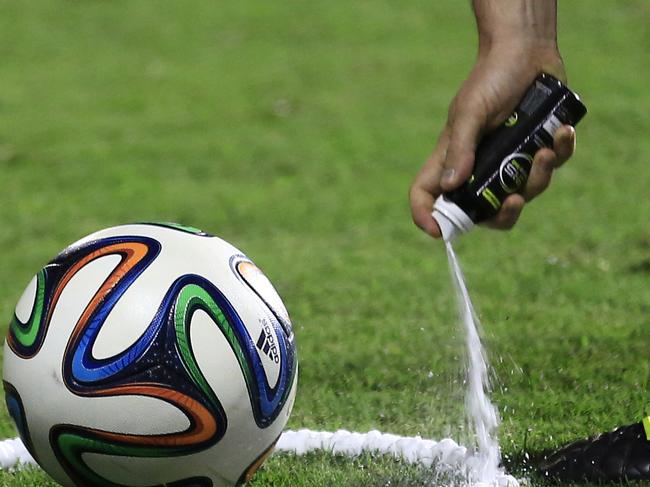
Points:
[491,198]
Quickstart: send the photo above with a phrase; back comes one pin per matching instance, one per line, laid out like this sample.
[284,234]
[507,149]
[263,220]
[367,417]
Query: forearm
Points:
[528,23]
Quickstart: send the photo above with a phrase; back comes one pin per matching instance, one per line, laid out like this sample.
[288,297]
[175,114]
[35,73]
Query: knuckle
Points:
[412,192]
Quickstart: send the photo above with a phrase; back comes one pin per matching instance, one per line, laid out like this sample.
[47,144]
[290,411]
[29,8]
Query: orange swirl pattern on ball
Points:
[203,426]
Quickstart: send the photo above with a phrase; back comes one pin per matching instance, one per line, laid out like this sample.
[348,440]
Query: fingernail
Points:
[448,175]
[572,136]
[569,133]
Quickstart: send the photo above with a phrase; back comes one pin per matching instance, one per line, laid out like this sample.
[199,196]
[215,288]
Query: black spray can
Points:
[504,157]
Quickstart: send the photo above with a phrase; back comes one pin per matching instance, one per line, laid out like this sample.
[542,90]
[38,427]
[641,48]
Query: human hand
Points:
[502,74]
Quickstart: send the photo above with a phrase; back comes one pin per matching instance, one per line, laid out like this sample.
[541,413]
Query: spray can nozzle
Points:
[452,220]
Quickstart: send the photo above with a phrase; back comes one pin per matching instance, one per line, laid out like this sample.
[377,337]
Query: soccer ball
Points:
[150,355]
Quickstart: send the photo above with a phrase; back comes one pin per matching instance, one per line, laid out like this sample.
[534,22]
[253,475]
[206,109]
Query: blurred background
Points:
[293,129]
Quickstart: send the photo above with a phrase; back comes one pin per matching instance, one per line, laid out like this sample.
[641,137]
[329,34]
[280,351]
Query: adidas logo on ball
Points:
[266,343]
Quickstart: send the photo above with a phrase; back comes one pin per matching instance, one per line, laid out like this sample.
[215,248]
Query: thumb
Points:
[465,133]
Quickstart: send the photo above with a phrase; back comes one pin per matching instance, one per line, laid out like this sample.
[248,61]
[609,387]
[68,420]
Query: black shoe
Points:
[622,454]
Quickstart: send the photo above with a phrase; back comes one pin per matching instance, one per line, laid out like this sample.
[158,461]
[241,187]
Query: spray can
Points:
[504,157]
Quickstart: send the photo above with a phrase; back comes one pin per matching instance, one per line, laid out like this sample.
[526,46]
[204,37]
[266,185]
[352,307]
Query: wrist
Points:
[530,57]
[531,24]
[507,40]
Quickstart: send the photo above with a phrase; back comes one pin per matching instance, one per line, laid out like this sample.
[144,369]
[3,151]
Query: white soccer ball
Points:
[150,355]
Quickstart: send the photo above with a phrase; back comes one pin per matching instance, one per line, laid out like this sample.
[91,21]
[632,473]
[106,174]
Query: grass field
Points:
[293,129]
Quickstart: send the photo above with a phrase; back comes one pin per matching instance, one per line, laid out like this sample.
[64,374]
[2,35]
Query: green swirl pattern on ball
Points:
[74,445]
[189,299]
[26,333]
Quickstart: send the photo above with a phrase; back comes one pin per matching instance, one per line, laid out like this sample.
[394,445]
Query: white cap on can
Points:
[451,219]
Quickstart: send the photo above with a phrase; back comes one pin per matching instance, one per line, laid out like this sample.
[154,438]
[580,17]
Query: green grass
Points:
[293,129]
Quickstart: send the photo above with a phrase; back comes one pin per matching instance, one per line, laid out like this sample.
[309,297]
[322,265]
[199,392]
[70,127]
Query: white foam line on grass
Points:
[447,456]
[414,450]
[13,453]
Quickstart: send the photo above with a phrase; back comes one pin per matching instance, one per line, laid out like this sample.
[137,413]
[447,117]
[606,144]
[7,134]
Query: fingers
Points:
[426,188]
[452,161]
[541,172]
[564,143]
[466,129]
[422,200]
[547,160]
[508,214]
